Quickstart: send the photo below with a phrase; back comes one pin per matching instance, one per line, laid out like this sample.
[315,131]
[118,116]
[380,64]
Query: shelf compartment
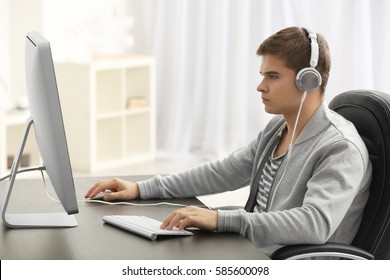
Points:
[108,91]
[138,136]
[138,85]
[108,139]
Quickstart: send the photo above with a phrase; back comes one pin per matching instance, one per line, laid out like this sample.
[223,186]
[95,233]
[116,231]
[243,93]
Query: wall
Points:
[22,16]
[4,51]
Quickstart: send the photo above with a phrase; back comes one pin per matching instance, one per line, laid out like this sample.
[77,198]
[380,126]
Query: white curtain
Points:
[207,69]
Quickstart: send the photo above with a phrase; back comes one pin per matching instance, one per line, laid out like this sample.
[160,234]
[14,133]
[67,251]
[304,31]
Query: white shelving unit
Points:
[109,111]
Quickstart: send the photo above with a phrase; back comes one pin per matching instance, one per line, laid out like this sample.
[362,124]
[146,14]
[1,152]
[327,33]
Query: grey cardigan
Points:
[321,197]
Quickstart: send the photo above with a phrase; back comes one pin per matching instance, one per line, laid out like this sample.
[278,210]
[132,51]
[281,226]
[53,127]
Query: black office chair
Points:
[369,111]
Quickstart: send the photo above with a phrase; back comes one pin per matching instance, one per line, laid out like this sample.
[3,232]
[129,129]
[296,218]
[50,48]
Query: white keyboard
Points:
[145,226]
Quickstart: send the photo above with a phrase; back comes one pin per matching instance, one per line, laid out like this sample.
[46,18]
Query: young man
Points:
[308,170]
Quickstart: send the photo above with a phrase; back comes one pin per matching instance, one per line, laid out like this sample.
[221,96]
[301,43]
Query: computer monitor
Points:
[46,118]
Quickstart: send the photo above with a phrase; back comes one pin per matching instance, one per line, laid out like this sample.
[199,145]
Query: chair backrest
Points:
[369,111]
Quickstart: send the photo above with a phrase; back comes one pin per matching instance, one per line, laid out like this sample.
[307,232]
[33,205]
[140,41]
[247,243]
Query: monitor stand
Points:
[30,220]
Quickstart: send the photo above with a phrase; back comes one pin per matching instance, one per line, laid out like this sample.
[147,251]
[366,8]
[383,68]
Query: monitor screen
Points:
[46,118]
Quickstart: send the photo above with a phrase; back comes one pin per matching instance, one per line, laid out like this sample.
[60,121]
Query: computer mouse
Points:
[99,196]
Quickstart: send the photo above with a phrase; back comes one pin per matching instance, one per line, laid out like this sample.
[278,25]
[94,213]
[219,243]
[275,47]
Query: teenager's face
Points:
[278,90]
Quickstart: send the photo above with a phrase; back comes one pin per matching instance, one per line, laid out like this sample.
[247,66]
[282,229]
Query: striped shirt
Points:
[267,177]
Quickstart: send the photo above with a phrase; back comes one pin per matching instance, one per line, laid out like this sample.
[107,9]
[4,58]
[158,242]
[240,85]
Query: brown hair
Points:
[293,45]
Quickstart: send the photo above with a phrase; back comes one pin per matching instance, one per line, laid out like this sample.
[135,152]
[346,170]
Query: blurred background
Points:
[191,64]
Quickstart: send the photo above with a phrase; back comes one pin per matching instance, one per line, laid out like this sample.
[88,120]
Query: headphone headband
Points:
[314,47]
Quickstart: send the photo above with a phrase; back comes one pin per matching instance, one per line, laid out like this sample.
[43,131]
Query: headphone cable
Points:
[289,152]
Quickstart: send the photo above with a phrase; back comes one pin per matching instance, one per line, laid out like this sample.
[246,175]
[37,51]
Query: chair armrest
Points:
[295,252]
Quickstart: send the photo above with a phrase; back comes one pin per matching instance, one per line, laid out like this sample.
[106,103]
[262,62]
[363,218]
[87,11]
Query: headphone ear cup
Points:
[308,79]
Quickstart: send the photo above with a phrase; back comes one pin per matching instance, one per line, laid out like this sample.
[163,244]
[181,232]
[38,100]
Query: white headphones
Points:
[308,79]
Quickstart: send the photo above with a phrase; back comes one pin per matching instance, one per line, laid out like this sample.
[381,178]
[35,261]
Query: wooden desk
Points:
[92,239]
